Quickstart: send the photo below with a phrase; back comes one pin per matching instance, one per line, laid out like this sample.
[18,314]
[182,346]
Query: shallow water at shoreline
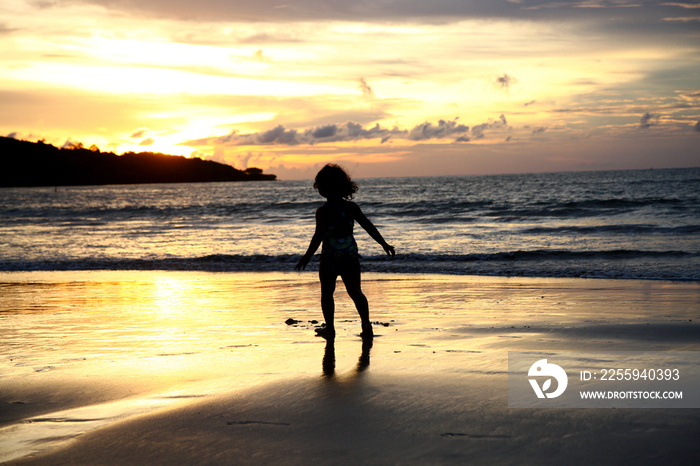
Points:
[52,320]
[56,319]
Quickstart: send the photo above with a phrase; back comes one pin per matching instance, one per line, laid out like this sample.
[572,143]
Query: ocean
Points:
[642,224]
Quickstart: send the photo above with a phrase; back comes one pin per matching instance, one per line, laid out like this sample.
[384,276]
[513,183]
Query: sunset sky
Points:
[384,87]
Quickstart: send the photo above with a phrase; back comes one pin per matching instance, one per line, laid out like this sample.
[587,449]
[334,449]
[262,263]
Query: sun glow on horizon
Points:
[282,90]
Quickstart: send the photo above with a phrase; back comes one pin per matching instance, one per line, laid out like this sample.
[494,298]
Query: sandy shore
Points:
[201,368]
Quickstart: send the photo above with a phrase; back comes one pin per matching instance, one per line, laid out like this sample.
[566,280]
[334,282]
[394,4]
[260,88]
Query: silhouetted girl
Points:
[334,223]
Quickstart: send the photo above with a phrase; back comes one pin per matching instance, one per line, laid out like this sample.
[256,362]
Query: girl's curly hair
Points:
[333,181]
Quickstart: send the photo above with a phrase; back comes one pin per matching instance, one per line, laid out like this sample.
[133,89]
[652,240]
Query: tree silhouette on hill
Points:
[24,163]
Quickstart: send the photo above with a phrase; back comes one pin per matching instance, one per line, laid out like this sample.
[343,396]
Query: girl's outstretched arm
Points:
[371,229]
[316,241]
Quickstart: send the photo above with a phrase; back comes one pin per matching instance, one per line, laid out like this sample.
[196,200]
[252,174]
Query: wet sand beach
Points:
[206,368]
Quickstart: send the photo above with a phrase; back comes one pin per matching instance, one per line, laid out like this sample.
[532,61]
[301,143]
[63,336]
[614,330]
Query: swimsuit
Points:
[339,252]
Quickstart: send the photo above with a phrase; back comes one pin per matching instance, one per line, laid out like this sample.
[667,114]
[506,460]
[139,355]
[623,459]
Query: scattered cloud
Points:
[478,130]
[325,132]
[444,129]
[244,160]
[388,10]
[265,38]
[5,29]
[139,133]
[683,5]
[279,135]
[647,120]
[356,132]
[351,131]
[684,19]
[44,5]
[690,96]
[365,88]
[505,82]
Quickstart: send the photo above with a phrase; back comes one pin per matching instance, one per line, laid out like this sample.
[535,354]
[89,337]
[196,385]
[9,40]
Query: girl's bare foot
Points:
[326,332]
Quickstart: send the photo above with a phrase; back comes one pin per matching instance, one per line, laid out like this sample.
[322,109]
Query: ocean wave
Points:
[548,254]
[543,263]
[460,212]
[422,211]
[621,229]
[281,210]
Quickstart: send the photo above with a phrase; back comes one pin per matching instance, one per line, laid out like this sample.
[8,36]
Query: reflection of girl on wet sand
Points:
[328,363]
[334,224]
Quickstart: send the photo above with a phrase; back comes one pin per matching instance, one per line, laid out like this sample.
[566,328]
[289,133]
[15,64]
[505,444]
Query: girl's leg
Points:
[352,279]
[327,302]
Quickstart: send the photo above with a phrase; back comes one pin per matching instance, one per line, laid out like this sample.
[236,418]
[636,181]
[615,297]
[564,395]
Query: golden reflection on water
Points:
[111,315]
[189,323]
